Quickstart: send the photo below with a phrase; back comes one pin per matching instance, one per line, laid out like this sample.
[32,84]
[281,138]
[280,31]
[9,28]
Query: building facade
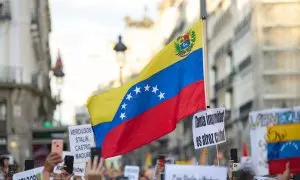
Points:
[253,52]
[25,62]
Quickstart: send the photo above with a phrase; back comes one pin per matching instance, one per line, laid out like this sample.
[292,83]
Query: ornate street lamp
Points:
[120,49]
[59,75]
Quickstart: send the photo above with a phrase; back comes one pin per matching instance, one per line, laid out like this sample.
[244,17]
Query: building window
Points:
[229,62]
[222,21]
[243,27]
[3,110]
[228,99]
[244,110]
[245,63]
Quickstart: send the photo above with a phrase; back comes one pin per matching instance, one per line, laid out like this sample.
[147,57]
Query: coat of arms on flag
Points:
[185,43]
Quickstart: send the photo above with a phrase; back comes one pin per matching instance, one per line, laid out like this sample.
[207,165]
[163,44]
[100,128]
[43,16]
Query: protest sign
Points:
[259,120]
[79,169]
[297,113]
[132,172]
[208,128]
[181,172]
[81,141]
[33,174]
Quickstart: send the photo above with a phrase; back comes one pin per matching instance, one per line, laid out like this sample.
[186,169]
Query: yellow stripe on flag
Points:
[282,133]
[102,107]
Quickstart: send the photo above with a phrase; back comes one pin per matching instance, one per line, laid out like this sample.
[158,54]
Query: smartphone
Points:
[57,146]
[29,164]
[96,152]
[233,155]
[236,166]
[69,164]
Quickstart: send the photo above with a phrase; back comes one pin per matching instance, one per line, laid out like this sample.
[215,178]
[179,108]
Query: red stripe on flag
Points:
[278,166]
[154,123]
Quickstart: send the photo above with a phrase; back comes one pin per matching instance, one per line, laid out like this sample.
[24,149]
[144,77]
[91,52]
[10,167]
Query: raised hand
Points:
[94,169]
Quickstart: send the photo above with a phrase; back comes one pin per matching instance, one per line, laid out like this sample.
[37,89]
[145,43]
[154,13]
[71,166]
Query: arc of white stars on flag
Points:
[137,91]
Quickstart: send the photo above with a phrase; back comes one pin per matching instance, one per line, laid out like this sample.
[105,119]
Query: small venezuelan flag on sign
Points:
[168,89]
[283,146]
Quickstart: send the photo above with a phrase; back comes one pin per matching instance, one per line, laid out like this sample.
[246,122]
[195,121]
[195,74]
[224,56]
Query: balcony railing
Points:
[5,9]
[10,74]
[269,48]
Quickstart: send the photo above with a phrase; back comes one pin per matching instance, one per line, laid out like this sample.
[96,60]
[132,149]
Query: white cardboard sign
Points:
[33,174]
[81,141]
[259,120]
[208,128]
[181,172]
[79,169]
[132,172]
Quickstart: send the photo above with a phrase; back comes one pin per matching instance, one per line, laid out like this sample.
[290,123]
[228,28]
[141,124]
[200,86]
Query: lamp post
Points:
[120,49]
[59,75]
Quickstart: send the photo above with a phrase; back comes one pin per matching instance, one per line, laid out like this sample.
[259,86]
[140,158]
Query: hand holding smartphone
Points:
[57,146]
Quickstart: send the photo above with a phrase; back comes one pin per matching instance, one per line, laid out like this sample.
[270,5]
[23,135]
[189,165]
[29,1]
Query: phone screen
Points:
[69,164]
[233,155]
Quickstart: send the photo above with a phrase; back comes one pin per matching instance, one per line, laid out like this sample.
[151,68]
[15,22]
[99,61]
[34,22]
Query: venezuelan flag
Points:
[168,89]
[283,146]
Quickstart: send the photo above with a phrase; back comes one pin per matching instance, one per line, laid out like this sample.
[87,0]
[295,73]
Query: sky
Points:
[83,31]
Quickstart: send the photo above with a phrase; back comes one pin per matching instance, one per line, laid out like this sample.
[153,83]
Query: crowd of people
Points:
[95,170]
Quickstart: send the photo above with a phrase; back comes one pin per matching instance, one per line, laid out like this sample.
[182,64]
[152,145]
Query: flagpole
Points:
[205,54]
[206,62]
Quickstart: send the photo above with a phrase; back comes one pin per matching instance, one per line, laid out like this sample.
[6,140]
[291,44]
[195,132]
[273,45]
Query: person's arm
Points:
[51,161]
[46,175]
